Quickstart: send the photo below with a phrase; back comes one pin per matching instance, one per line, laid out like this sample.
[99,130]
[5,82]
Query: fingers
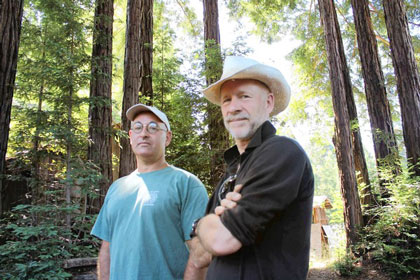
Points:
[233,196]
[229,202]
[219,210]
[238,188]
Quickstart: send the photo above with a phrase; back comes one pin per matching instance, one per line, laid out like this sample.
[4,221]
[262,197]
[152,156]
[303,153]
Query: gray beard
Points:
[247,136]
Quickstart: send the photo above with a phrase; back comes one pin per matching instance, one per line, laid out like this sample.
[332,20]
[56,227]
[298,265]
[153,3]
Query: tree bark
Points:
[408,81]
[217,134]
[11,12]
[146,50]
[384,141]
[100,109]
[342,140]
[132,61]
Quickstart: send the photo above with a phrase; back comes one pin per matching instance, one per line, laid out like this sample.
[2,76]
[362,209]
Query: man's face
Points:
[145,144]
[245,105]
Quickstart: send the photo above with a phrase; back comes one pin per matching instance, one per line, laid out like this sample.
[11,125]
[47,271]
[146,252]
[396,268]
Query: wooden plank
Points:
[80,262]
[316,241]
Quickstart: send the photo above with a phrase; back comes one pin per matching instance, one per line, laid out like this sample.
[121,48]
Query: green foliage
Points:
[392,239]
[49,141]
[345,266]
[271,18]
[34,238]
[33,244]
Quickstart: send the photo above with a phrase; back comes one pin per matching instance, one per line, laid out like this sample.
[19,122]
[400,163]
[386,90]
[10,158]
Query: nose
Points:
[234,105]
[144,133]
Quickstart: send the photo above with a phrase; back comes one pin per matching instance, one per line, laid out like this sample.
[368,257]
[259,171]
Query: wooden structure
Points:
[320,229]
[81,268]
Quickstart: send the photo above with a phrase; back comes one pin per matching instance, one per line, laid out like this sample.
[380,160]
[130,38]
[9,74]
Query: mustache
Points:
[239,116]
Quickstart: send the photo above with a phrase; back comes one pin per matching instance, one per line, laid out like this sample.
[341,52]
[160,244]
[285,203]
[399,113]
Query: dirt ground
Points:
[369,272]
[329,274]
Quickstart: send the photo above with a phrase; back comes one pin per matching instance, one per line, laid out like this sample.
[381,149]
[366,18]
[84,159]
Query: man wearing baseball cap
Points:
[146,218]
[259,217]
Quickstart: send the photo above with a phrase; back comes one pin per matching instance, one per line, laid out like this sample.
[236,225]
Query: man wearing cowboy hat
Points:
[259,218]
[146,218]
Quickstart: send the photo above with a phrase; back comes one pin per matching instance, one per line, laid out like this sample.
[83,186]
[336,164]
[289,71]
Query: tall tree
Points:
[100,108]
[132,61]
[385,145]
[146,50]
[217,135]
[342,139]
[11,12]
[408,81]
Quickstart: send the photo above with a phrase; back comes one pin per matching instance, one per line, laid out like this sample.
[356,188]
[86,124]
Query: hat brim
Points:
[270,76]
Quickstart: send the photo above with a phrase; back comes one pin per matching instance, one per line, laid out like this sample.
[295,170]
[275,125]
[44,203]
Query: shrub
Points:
[35,238]
[345,266]
[393,239]
[36,250]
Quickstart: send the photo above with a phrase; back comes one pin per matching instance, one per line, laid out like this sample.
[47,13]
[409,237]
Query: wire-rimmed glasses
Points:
[151,127]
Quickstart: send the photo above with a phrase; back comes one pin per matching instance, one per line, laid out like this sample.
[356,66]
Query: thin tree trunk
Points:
[385,145]
[100,109]
[362,175]
[342,139]
[36,192]
[132,60]
[408,81]
[11,12]
[217,134]
[69,140]
[146,50]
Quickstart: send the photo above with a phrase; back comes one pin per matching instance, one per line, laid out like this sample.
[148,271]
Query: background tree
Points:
[384,142]
[34,237]
[100,106]
[11,12]
[218,136]
[146,50]
[132,60]
[408,81]
[338,75]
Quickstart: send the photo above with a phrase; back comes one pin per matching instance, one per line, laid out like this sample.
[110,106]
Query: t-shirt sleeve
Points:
[270,184]
[102,227]
[194,205]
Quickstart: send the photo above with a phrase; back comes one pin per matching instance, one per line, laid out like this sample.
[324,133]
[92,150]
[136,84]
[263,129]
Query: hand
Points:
[230,201]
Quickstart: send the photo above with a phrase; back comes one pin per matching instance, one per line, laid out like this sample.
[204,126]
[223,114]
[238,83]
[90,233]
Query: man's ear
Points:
[168,138]
[270,102]
[129,134]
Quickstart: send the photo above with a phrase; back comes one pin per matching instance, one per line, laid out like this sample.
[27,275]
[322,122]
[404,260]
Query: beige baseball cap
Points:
[134,110]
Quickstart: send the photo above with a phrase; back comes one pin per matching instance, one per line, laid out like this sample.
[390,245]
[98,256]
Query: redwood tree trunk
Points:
[132,60]
[385,146]
[342,140]
[11,12]
[406,72]
[146,50]
[100,109]
[217,134]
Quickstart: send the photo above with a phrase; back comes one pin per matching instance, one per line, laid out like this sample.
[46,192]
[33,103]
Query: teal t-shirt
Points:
[147,218]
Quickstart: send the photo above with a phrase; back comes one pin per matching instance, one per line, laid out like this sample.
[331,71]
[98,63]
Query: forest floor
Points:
[327,273]
[322,271]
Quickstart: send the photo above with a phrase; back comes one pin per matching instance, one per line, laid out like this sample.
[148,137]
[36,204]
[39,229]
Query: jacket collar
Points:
[265,131]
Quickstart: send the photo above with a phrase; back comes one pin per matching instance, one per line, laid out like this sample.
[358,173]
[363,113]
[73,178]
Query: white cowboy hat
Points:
[134,110]
[237,67]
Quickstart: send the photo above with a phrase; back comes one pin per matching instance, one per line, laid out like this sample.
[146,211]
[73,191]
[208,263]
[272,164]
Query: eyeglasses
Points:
[151,127]
[227,186]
